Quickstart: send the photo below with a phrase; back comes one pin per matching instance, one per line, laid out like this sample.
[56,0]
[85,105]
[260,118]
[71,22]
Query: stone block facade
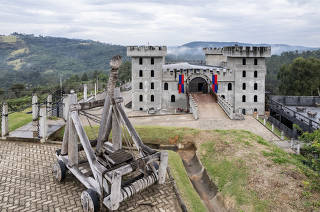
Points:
[240,70]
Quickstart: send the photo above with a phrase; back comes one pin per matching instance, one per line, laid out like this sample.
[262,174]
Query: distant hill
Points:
[38,60]
[193,50]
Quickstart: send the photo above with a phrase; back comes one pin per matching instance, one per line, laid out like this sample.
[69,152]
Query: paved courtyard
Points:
[27,184]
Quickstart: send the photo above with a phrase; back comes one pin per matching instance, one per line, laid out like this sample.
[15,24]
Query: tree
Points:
[125,72]
[84,77]
[300,78]
[17,89]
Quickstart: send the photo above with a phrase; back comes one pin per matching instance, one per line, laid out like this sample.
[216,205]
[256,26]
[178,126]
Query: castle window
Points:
[244,61]
[255,86]
[244,111]
[255,61]
[152,85]
[255,74]
[255,98]
[244,73]
[152,98]
[255,110]
[140,85]
[223,97]
[229,86]
[140,73]
[244,86]
[152,73]
[140,60]
[173,98]
[152,61]
[166,86]
[141,98]
[141,109]
[243,98]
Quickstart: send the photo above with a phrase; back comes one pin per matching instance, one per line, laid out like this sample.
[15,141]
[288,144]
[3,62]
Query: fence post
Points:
[95,90]
[35,115]
[282,135]
[291,143]
[272,127]
[298,149]
[4,121]
[66,104]
[257,116]
[85,92]
[264,121]
[49,105]
[43,124]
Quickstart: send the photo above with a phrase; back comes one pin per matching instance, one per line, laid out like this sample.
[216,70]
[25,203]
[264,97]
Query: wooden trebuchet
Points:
[106,163]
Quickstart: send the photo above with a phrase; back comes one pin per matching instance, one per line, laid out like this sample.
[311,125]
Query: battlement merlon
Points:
[213,51]
[146,51]
[247,51]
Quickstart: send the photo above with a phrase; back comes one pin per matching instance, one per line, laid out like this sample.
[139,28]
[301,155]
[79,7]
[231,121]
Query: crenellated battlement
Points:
[146,51]
[214,51]
[247,51]
[240,51]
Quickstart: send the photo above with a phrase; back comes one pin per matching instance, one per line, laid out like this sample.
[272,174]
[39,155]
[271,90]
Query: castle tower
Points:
[248,65]
[146,74]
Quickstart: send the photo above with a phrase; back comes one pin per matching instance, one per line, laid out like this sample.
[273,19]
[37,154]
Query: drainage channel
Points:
[199,177]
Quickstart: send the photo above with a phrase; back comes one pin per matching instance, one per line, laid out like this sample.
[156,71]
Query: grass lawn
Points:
[19,119]
[255,175]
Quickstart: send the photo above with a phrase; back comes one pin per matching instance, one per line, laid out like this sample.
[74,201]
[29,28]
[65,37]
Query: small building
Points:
[234,74]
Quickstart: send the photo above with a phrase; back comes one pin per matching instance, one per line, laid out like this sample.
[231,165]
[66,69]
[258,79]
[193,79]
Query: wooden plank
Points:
[103,124]
[73,146]
[116,125]
[115,196]
[92,104]
[64,147]
[162,172]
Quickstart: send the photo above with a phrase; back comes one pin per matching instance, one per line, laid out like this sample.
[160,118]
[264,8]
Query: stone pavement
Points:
[27,184]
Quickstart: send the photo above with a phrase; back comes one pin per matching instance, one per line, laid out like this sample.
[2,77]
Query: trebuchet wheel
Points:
[90,201]
[59,170]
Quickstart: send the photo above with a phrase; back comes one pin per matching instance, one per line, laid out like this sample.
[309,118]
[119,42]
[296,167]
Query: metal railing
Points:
[296,116]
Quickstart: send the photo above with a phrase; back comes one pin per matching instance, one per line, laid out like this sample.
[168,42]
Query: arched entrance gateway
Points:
[198,85]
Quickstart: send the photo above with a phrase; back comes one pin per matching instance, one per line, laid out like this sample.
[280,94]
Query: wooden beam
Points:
[103,124]
[92,104]
[116,125]
[73,146]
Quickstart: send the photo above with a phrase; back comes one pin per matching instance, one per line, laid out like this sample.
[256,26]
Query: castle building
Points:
[234,74]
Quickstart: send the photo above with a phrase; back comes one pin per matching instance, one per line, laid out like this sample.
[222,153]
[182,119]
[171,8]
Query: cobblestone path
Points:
[27,184]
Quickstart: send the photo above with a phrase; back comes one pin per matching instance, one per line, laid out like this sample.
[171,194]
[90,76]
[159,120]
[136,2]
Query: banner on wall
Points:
[181,83]
[215,83]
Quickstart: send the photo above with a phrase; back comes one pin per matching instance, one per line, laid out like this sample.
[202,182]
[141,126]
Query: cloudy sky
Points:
[167,22]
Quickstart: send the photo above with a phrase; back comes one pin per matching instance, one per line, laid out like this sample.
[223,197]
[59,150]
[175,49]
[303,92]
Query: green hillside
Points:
[37,60]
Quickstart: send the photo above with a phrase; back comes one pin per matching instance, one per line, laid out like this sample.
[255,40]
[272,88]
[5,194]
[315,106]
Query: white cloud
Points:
[166,22]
